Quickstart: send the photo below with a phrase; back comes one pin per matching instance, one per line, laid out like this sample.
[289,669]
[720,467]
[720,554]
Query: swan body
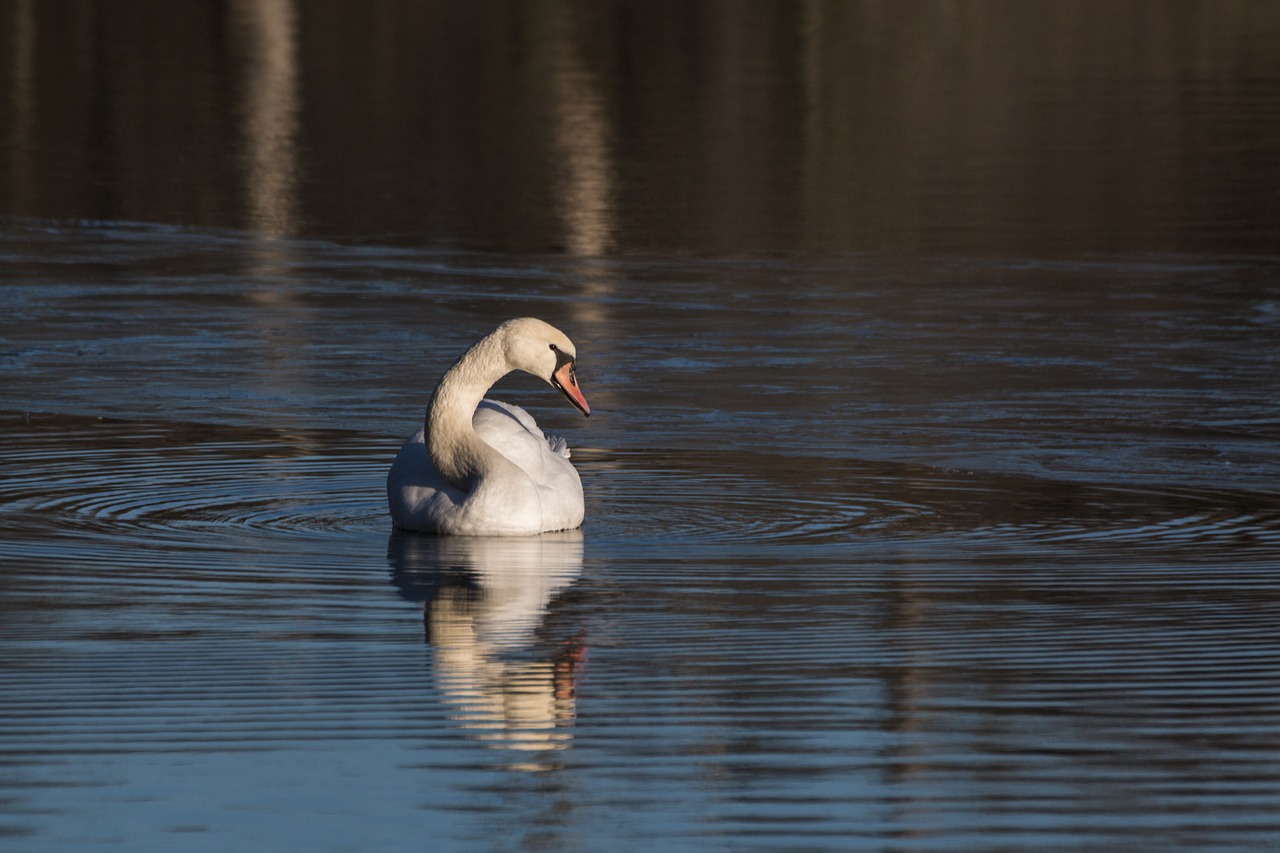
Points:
[481,467]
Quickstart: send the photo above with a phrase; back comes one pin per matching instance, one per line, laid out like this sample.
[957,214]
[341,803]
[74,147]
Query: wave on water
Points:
[182,485]
[193,486]
[729,498]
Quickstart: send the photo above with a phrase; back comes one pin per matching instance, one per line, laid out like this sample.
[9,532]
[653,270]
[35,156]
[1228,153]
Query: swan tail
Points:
[558,445]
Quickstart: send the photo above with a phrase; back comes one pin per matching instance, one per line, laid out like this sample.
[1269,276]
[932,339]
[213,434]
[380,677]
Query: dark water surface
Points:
[933,476]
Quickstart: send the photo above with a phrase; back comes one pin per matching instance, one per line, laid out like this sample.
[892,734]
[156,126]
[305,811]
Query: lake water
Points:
[932,479]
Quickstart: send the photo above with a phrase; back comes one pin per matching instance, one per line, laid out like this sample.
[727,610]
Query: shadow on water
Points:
[994,127]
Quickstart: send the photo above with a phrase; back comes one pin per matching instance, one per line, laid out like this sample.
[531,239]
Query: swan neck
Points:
[458,453]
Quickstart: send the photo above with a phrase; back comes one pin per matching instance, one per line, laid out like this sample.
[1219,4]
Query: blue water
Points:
[852,577]
[932,477]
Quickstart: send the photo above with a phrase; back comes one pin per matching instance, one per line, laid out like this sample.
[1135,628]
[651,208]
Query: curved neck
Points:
[458,453]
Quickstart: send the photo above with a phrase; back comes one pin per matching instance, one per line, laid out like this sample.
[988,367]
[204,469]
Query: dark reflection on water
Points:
[994,126]
[932,479]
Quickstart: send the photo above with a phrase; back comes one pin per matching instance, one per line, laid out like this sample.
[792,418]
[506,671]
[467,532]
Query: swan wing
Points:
[421,498]
[515,434]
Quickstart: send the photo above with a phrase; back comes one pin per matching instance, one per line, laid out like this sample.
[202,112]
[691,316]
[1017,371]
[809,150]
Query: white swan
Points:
[480,467]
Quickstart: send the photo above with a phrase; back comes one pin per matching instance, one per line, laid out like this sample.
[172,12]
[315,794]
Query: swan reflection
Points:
[506,672]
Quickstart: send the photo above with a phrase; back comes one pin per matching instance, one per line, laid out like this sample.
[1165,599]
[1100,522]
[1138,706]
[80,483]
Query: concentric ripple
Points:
[751,500]
[192,486]
[723,498]
[187,484]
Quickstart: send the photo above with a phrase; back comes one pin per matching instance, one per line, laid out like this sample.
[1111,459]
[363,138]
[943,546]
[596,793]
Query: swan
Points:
[480,467]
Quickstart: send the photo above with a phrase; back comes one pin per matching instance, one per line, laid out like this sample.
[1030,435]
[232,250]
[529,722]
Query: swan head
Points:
[543,350]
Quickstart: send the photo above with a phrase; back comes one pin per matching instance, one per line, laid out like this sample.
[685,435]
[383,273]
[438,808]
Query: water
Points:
[913,523]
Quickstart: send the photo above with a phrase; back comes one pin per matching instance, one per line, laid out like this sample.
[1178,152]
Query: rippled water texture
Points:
[854,572]
[932,477]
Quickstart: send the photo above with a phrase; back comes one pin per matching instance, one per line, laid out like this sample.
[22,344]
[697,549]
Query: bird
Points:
[481,467]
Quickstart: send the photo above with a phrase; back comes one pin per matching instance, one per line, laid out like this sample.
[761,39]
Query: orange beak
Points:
[566,379]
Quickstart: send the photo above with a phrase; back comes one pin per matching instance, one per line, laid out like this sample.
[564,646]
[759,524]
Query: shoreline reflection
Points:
[507,673]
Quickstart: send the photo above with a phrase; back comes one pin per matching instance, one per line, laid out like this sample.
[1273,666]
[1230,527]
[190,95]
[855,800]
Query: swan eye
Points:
[554,348]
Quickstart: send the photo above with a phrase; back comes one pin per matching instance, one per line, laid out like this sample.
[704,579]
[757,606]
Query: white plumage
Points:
[483,467]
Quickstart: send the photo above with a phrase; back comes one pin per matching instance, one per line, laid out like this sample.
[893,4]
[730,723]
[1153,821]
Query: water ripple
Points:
[729,498]
[732,634]
[193,487]
[181,485]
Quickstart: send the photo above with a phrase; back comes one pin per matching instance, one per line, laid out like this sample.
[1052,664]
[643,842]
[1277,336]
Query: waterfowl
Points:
[481,467]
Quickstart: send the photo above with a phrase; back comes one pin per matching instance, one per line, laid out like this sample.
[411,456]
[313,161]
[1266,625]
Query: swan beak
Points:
[566,379]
